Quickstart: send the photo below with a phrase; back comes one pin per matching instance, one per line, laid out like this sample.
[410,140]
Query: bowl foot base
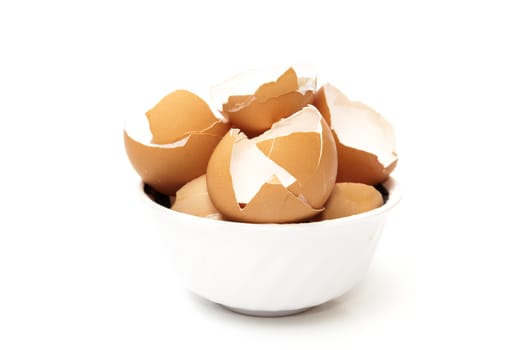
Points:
[259,313]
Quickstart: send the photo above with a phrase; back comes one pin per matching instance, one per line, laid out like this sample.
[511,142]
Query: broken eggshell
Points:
[254,100]
[365,139]
[348,198]
[193,198]
[178,114]
[167,167]
[284,175]
[310,157]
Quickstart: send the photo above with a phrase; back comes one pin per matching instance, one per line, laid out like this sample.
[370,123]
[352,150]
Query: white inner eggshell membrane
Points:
[137,128]
[250,167]
[360,128]
[247,83]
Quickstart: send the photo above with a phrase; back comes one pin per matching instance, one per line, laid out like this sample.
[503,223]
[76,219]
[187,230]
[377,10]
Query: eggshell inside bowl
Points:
[283,175]
[172,144]
[168,167]
[365,139]
[271,269]
[254,100]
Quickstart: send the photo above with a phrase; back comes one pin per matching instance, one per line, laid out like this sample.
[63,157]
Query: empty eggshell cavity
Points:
[178,114]
[245,183]
[256,99]
[365,140]
[272,203]
[275,156]
[359,126]
[251,169]
[138,128]
[166,167]
[265,83]
[304,145]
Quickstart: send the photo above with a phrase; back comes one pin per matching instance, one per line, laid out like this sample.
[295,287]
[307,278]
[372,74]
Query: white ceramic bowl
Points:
[271,269]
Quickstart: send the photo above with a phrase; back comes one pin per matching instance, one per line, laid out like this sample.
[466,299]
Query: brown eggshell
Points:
[321,103]
[193,198]
[351,198]
[272,204]
[360,162]
[360,166]
[255,113]
[311,158]
[177,114]
[167,167]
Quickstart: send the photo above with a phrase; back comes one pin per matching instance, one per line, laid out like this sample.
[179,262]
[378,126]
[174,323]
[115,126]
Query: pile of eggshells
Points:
[278,151]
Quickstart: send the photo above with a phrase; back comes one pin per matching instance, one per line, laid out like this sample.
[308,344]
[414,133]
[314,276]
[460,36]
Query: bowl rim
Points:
[393,187]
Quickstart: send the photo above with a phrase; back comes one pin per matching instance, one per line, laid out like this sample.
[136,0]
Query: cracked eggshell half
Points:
[365,139]
[193,198]
[260,180]
[350,198]
[304,146]
[167,167]
[254,100]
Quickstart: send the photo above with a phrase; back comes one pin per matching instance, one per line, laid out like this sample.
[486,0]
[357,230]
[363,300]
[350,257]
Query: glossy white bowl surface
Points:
[271,269]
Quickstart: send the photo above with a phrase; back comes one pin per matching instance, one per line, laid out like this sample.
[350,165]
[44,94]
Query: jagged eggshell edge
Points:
[272,204]
[166,168]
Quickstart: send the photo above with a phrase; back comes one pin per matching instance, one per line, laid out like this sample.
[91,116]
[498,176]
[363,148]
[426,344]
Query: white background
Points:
[81,267]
